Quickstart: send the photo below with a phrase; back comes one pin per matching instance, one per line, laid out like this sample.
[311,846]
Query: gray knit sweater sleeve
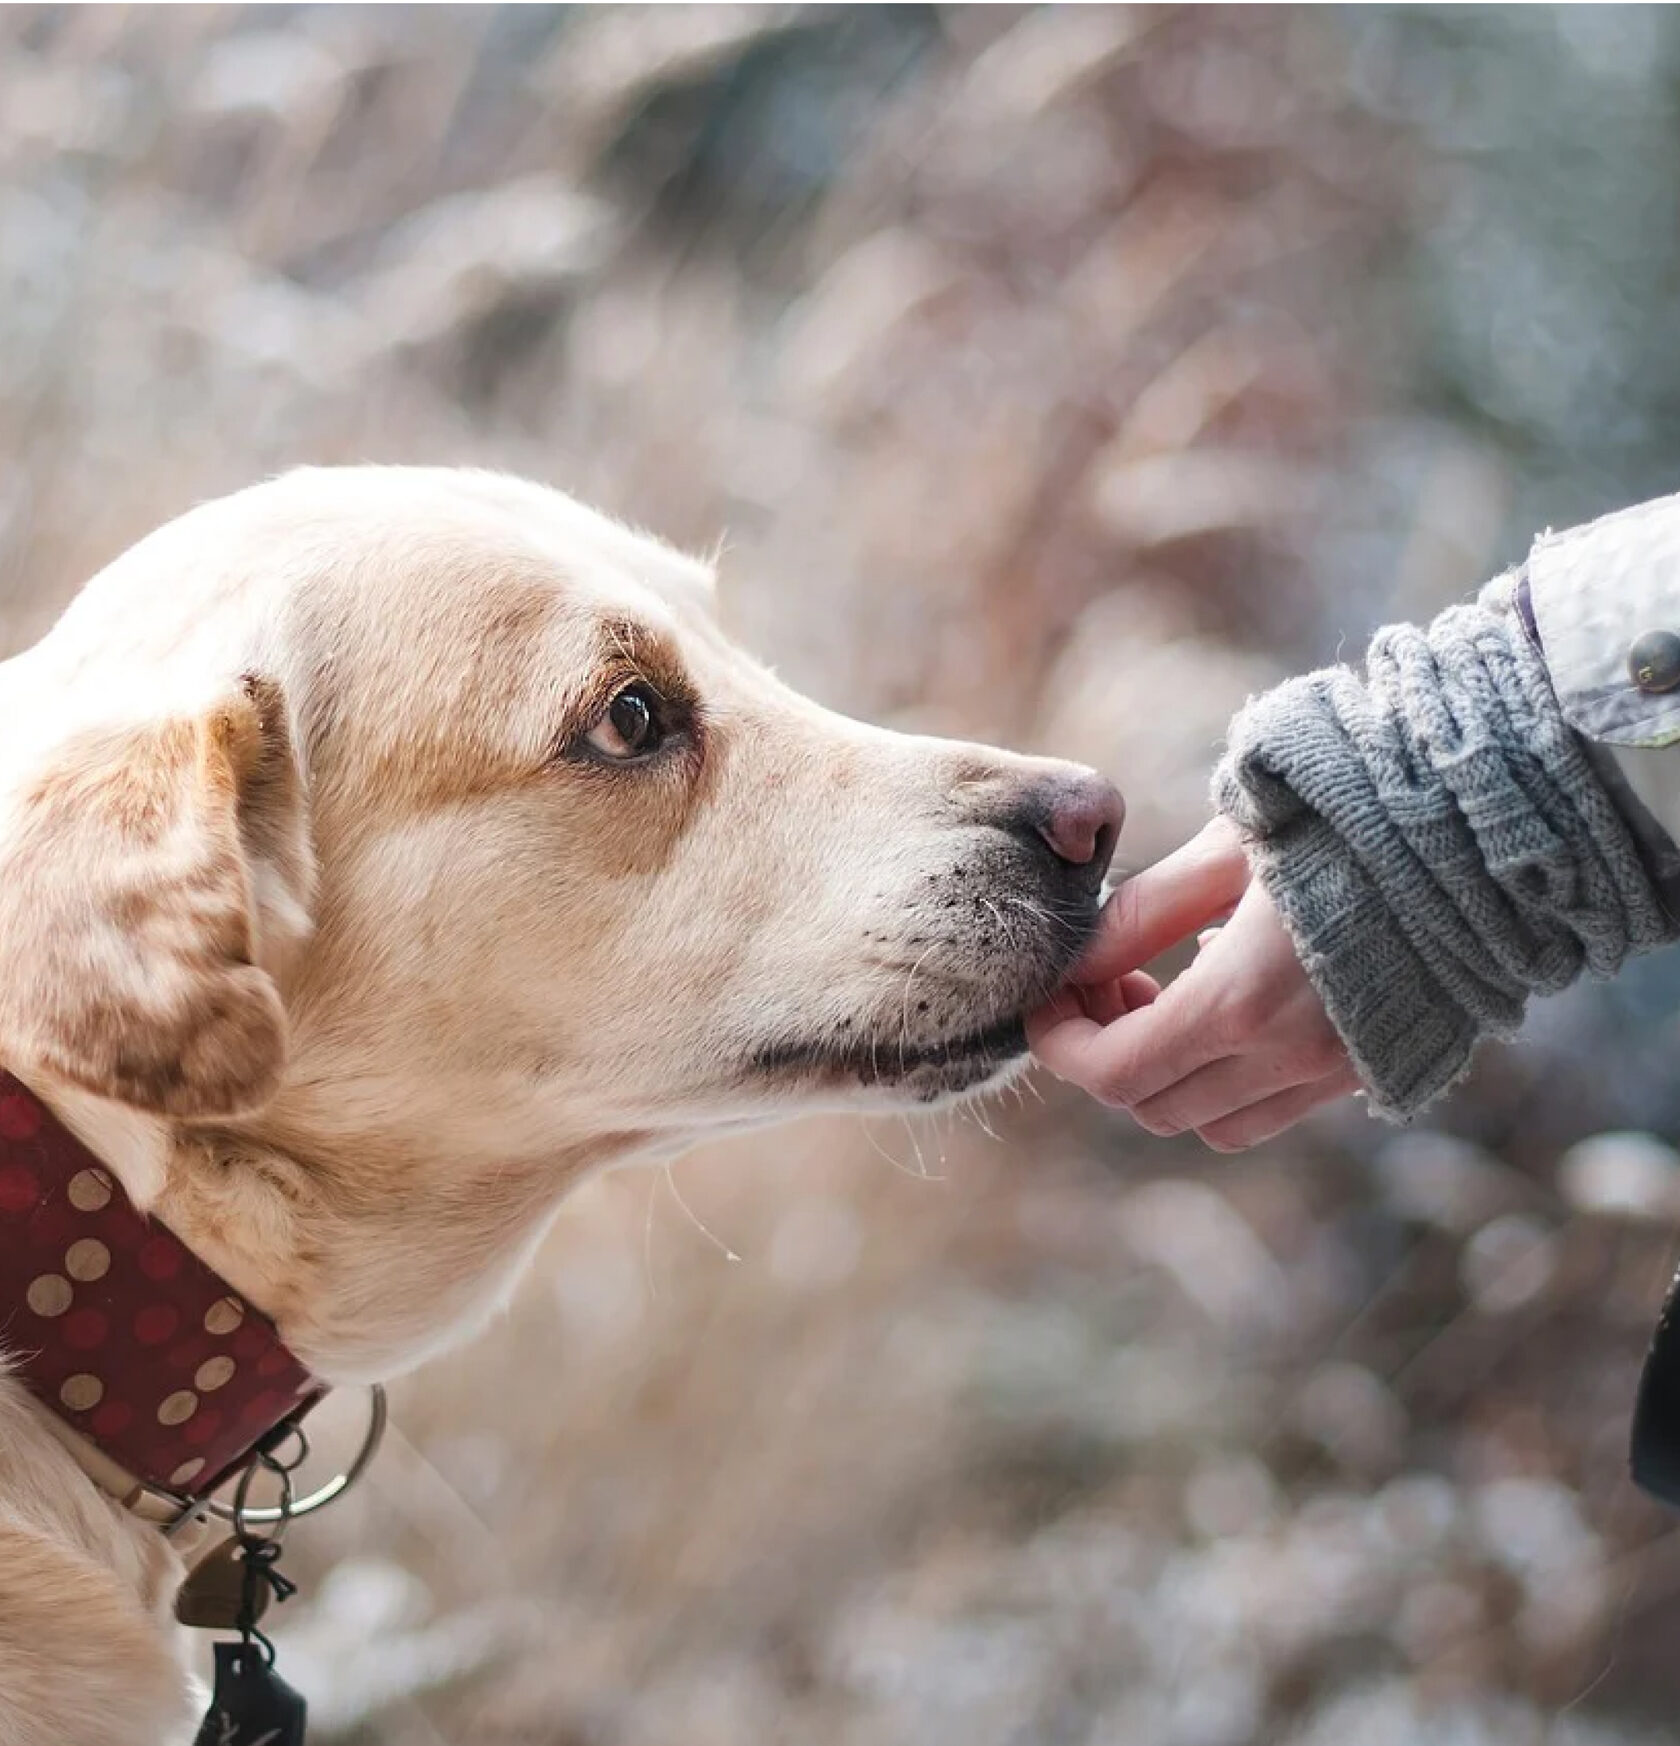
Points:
[1438,842]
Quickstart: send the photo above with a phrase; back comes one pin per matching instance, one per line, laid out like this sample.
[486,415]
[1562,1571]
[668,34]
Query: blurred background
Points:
[1058,376]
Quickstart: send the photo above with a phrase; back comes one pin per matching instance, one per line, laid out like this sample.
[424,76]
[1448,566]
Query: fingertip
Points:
[1104,1002]
[1155,908]
[1057,1046]
[1060,1007]
[1139,989]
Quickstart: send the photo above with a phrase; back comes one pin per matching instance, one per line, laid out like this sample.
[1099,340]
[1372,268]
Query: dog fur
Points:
[329,925]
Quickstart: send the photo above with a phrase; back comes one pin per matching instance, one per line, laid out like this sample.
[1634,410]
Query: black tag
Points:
[251,1705]
[1655,1455]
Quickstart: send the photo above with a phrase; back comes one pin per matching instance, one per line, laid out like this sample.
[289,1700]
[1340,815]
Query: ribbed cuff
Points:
[1408,1039]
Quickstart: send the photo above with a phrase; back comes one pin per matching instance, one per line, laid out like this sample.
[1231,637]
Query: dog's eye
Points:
[631,727]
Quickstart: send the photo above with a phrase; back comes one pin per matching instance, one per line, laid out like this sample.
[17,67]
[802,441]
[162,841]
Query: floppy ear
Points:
[152,880]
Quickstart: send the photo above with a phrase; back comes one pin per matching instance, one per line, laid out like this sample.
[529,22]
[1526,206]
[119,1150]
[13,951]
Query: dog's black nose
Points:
[1079,816]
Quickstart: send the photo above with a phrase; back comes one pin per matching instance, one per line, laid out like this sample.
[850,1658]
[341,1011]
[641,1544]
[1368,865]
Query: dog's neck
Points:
[139,1151]
[370,1252]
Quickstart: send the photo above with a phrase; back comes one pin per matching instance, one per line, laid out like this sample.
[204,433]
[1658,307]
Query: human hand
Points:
[1238,1048]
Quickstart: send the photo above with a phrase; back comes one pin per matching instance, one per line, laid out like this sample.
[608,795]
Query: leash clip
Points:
[269,1515]
[251,1705]
[260,1542]
[191,1510]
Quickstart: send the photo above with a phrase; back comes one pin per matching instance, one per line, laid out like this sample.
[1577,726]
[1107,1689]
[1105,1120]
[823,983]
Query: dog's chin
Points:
[898,1072]
[974,1041]
[969,1074]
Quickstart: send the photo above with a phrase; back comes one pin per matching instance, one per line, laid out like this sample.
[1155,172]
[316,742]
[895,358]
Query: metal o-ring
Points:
[269,1514]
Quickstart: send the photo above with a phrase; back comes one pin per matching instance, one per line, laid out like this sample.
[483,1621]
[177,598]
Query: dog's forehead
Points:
[412,596]
[499,581]
[404,540]
[441,535]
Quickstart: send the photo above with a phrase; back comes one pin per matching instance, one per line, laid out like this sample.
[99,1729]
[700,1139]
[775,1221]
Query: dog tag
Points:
[209,1599]
[251,1704]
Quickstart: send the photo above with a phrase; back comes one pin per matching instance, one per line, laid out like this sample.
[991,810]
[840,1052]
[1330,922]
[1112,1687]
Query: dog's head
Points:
[431,815]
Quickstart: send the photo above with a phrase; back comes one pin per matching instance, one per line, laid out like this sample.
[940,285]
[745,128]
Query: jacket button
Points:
[1654,661]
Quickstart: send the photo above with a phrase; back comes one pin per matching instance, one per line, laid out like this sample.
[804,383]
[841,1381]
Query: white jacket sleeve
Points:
[1605,605]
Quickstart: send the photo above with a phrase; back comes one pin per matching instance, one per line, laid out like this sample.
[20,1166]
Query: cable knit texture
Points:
[1438,843]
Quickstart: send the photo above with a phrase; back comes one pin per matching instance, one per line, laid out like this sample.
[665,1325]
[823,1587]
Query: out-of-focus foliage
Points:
[1059,375]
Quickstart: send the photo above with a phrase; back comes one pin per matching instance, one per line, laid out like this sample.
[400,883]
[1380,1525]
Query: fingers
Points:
[1273,1115]
[1237,1049]
[1129,1060]
[1104,1002]
[1217,1090]
[1155,909]
[1238,1082]
[1107,1001]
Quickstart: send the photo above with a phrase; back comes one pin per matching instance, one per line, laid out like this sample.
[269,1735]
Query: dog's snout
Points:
[1074,813]
[1079,817]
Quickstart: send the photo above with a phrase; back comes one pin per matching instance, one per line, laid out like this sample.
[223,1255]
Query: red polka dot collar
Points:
[116,1326]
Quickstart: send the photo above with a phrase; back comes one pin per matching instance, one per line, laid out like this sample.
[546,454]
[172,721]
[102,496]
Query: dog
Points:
[383,850]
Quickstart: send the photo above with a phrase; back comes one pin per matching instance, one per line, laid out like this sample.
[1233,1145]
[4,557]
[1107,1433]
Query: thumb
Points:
[1194,886]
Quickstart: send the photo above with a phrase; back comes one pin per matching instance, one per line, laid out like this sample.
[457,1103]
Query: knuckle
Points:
[1323,1053]
[1226,1136]
[1114,1086]
[1247,1009]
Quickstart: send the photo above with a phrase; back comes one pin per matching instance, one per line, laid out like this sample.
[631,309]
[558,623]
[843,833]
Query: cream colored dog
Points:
[381,850]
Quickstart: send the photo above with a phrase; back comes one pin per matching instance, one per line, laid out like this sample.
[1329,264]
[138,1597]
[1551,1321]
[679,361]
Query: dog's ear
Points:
[153,880]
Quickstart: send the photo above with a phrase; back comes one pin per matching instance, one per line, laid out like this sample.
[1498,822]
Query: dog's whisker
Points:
[881,1152]
[916,1146]
[904,1006]
[1041,912]
[694,1218]
[647,1241]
